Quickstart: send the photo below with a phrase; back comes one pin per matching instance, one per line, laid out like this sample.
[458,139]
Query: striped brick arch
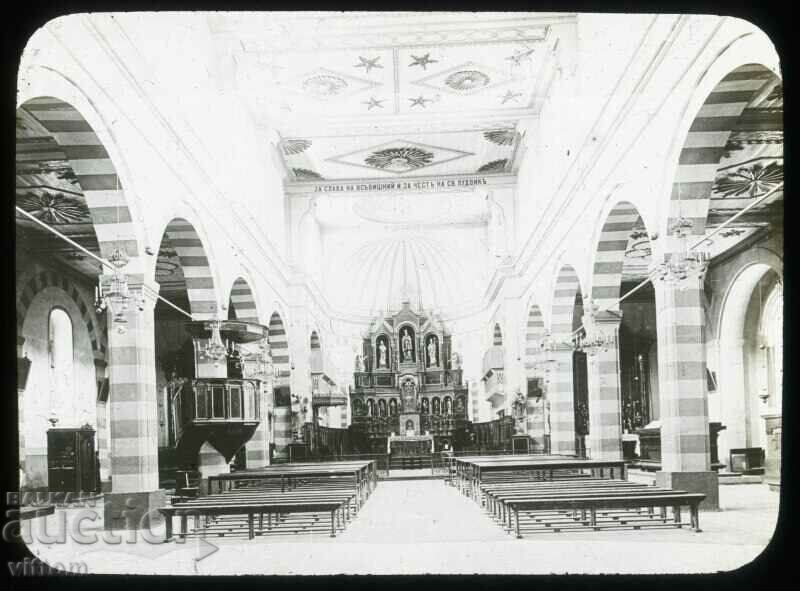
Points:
[560,389]
[534,331]
[45,279]
[79,145]
[497,336]
[279,345]
[706,139]
[610,255]
[242,303]
[195,266]
[566,289]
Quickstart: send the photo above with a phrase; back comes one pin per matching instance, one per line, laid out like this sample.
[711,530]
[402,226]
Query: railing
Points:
[215,400]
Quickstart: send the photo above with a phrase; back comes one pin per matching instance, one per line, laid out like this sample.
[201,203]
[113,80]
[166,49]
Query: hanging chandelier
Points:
[116,295]
[215,349]
[677,267]
[262,362]
[590,339]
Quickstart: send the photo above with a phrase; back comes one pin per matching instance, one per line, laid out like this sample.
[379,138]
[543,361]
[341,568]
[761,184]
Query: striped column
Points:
[279,345]
[562,402]
[257,448]
[132,402]
[561,387]
[103,443]
[21,417]
[682,377]
[210,463]
[605,413]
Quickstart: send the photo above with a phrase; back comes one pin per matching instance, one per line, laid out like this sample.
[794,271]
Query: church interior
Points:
[314,286]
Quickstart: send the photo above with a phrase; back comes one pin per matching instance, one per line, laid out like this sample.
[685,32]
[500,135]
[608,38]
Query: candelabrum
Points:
[116,295]
[683,264]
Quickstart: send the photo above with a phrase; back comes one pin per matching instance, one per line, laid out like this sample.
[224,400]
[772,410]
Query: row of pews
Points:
[288,499]
[537,494]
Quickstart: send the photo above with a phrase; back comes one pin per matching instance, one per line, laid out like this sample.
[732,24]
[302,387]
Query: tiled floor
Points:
[419,526]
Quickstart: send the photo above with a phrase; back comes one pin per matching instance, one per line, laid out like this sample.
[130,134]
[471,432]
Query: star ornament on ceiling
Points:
[423,61]
[419,101]
[520,56]
[510,96]
[368,63]
[373,102]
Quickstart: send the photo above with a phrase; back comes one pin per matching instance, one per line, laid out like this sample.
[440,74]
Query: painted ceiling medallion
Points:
[399,156]
[303,174]
[467,80]
[295,146]
[749,181]
[494,166]
[55,208]
[399,159]
[501,137]
[324,85]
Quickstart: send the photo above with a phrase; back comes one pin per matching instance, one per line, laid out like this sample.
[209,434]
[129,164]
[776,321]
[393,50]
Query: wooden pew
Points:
[662,499]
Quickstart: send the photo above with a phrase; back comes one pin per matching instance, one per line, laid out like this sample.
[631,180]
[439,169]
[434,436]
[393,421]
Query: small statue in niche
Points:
[407,346]
[382,354]
[455,360]
[432,360]
[359,364]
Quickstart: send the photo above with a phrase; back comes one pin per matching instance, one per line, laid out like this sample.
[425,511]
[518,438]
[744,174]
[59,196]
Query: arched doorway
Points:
[751,370]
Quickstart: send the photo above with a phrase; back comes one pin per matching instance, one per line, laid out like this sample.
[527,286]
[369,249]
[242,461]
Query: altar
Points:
[404,446]
[409,397]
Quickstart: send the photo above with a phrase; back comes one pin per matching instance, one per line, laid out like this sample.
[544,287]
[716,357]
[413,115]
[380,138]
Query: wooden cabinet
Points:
[71,460]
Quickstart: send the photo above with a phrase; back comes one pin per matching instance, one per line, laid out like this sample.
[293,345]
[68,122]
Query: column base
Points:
[133,511]
[697,482]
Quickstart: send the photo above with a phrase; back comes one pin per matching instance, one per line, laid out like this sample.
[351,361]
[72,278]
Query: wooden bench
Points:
[252,504]
[593,503]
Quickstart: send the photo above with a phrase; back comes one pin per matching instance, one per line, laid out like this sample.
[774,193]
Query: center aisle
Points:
[411,511]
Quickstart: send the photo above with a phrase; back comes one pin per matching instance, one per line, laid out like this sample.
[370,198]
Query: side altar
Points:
[409,391]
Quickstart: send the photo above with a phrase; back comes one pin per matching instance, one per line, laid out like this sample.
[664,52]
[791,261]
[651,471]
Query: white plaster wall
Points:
[72,400]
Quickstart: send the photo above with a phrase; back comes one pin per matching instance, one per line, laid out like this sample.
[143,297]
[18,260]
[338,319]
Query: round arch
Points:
[242,301]
[740,354]
[534,331]
[704,145]
[622,228]
[279,345]
[194,261]
[100,192]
